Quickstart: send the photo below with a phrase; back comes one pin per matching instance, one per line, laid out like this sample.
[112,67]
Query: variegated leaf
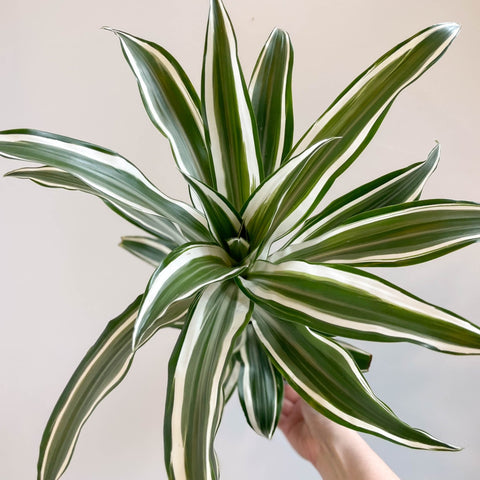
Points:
[151,250]
[358,111]
[56,178]
[404,185]
[344,301]
[271,93]
[260,386]
[106,172]
[284,198]
[307,360]
[223,220]
[228,113]
[101,370]
[197,371]
[392,236]
[231,377]
[171,103]
[362,358]
[184,272]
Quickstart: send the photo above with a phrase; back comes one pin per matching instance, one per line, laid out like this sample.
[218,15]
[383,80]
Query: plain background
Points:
[62,276]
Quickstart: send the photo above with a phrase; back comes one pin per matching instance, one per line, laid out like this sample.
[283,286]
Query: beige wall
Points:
[62,276]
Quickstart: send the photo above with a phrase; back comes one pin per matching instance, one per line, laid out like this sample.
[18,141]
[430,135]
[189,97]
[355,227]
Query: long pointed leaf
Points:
[184,272]
[151,250]
[101,370]
[362,358]
[260,386]
[344,301]
[271,93]
[228,113]
[392,236]
[404,185]
[197,371]
[326,376]
[284,197]
[52,177]
[359,110]
[223,220]
[105,171]
[171,103]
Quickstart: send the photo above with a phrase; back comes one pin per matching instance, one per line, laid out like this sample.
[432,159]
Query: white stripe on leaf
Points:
[307,368]
[344,301]
[184,272]
[233,142]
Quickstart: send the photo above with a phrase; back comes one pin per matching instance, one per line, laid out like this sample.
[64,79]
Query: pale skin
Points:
[337,452]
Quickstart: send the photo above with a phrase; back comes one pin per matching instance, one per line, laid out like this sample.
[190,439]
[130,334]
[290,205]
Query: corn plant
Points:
[261,276]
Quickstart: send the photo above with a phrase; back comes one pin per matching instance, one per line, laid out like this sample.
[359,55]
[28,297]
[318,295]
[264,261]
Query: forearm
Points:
[347,456]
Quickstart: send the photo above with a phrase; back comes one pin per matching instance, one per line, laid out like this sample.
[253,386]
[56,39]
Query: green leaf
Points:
[362,358]
[105,171]
[55,178]
[260,386]
[171,103]
[183,273]
[344,301]
[358,111]
[223,220]
[101,370]
[392,236]
[326,376]
[401,186]
[231,378]
[151,250]
[271,93]
[197,371]
[228,113]
[284,198]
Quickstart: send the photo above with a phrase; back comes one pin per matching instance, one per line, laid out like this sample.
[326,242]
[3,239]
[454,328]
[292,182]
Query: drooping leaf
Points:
[392,236]
[231,378]
[260,386]
[344,301]
[271,93]
[362,358]
[326,376]
[228,113]
[197,371]
[283,198]
[404,185]
[106,172]
[101,370]
[56,178]
[151,250]
[183,273]
[171,103]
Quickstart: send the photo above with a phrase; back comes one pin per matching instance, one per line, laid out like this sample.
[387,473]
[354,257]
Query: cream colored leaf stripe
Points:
[52,177]
[170,101]
[103,170]
[198,370]
[403,234]
[184,272]
[446,33]
[270,90]
[233,140]
[344,301]
[305,359]
[405,185]
[269,203]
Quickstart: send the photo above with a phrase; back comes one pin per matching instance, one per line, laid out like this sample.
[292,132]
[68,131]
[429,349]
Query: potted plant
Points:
[260,283]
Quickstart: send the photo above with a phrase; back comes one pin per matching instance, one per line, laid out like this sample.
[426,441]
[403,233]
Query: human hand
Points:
[337,452]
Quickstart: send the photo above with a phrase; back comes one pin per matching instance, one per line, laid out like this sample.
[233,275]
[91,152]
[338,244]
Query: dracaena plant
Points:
[259,274]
